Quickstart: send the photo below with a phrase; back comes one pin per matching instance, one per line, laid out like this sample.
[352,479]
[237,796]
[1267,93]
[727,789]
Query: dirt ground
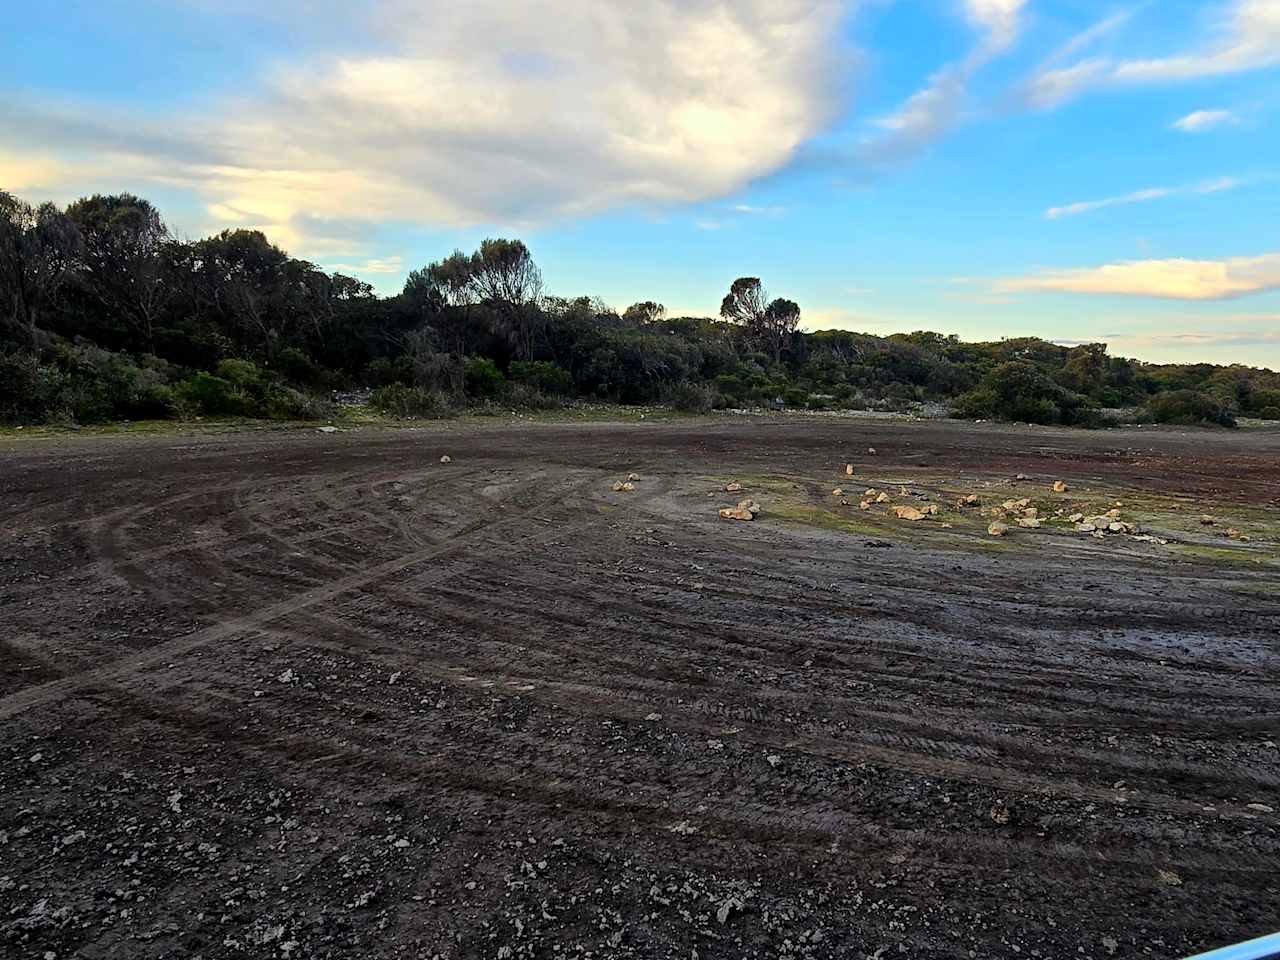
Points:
[309,695]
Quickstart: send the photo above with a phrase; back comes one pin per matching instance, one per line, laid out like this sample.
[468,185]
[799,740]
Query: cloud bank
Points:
[563,109]
[1172,279]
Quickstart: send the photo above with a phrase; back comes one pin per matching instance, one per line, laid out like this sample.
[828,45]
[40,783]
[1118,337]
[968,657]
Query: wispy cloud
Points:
[1247,38]
[381,265]
[1202,121]
[747,208]
[938,107]
[1172,279]
[1142,196]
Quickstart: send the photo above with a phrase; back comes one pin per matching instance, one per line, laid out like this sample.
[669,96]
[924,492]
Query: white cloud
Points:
[937,108]
[382,265]
[1141,196]
[1202,121]
[1173,279]
[1247,38]
[747,208]
[565,109]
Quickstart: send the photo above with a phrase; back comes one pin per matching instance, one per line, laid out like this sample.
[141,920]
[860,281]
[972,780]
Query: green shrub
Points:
[977,404]
[693,397]
[407,403]
[1188,408]
[483,378]
[1268,413]
[285,403]
[212,396]
[383,372]
[542,376]
[243,374]
[524,396]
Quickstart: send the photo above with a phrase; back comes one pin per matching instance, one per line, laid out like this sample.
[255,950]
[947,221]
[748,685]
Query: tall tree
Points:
[125,258]
[781,319]
[504,275]
[38,251]
[645,312]
[745,303]
[769,323]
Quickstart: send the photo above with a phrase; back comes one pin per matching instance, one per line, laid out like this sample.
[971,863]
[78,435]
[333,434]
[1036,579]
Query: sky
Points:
[1075,170]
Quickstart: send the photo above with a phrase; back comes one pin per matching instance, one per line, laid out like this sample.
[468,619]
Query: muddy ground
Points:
[307,695]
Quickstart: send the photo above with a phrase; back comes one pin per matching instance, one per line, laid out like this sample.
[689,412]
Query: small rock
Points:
[327,429]
[871,450]
[733,487]
[1208,521]
[623,486]
[446,459]
[1260,808]
[653,717]
[633,477]
[998,529]
[864,505]
[1059,487]
[1032,523]
[908,513]
[848,469]
[837,492]
[883,498]
[1169,878]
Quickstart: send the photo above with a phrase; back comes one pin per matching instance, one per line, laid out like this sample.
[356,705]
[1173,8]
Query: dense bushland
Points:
[105,315]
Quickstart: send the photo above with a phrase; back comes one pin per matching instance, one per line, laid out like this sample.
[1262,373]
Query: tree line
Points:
[106,314]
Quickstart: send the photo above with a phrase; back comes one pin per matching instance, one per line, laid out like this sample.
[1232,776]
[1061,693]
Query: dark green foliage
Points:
[483,378]
[693,397]
[93,296]
[409,403]
[1188,408]
[541,375]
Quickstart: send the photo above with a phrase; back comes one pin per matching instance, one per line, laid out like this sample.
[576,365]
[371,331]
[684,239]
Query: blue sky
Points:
[1070,169]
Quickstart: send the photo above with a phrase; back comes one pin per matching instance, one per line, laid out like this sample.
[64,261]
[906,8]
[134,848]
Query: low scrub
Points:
[1188,408]
[411,403]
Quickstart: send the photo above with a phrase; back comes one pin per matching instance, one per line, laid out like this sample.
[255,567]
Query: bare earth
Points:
[306,695]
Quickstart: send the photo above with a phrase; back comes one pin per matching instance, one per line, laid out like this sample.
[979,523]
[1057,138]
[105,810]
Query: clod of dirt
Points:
[1000,813]
[908,513]
[1059,487]
[1169,878]
[446,459]
[848,469]
[1235,534]
[733,487]
[998,529]
[623,486]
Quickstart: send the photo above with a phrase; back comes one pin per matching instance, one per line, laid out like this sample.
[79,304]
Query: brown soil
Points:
[323,696]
